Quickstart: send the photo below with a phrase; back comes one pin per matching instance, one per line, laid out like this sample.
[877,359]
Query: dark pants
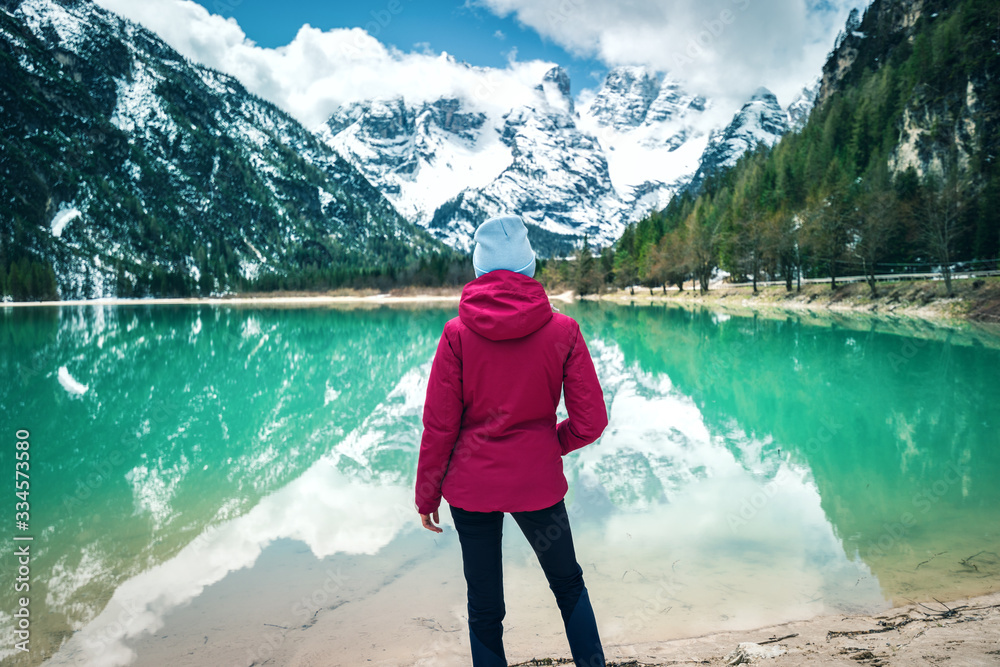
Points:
[548,532]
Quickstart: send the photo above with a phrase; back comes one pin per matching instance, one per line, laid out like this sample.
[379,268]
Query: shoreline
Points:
[973,300]
[392,622]
[960,632]
[250,299]
[960,320]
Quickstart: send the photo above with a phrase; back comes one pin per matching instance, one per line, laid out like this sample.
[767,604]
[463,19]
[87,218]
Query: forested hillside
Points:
[895,170]
[130,171]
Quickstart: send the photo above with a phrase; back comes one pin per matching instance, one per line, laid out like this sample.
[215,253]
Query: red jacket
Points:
[490,441]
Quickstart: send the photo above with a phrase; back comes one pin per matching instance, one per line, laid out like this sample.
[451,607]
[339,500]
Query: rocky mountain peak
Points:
[625,97]
[387,120]
[672,102]
[760,120]
[802,105]
[450,115]
[556,89]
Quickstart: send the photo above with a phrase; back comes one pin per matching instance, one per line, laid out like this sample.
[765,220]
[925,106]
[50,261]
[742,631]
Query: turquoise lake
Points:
[221,483]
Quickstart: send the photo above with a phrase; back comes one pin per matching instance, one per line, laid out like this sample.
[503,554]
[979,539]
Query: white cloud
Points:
[723,49]
[499,35]
[320,70]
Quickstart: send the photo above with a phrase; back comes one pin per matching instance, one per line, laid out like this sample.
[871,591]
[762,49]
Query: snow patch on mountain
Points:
[138,107]
[761,121]
[799,109]
[557,181]
[418,155]
[42,15]
[652,133]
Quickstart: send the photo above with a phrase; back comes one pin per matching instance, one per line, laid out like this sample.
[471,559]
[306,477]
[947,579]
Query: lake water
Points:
[220,484]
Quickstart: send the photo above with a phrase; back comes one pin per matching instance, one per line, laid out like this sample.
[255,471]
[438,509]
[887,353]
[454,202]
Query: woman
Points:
[491,443]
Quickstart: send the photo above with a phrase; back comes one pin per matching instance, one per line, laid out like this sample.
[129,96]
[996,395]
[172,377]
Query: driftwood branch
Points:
[889,625]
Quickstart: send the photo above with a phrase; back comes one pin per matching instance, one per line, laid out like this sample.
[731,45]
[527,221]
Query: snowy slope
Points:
[422,155]
[799,109]
[647,125]
[572,168]
[558,180]
[158,176]
[760,121]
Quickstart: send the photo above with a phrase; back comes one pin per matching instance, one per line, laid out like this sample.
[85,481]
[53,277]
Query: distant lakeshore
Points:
[975,300]
[346,296]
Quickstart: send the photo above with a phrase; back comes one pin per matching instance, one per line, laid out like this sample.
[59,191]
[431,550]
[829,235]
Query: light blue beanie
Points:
[502,243]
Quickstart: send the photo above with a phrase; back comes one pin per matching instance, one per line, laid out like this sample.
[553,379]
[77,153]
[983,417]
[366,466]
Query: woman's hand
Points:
[430,522]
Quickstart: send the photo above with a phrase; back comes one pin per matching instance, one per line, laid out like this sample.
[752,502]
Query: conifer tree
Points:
[587,275]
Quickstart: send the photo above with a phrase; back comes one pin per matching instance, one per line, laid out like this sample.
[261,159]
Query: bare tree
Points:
[668,263]
[875,225]
[941,223]
[751,243]
[703,240]
[781,245]
[826,231]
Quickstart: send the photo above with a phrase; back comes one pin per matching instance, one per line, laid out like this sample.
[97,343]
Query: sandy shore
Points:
[961,633]
[957,633]
[375,615]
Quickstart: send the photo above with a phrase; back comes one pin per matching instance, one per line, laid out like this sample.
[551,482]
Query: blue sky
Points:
[472,34]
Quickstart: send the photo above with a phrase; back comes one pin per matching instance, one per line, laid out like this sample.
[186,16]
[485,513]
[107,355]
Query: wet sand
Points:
[382,631]
[958,633]
[293,610]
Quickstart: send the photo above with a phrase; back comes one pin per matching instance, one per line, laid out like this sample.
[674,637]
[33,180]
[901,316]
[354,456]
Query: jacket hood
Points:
[502,305]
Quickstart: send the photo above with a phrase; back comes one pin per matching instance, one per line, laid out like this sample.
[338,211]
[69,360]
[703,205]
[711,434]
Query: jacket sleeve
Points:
[442,420]
[584,399]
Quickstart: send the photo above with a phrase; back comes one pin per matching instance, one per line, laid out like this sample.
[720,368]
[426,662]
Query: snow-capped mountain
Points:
[448,163]
[129,170]
[799,109]
[761,120]
[418,155]
[571,167]
[569,170]
[648,127]
[624,99]
[557,179]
